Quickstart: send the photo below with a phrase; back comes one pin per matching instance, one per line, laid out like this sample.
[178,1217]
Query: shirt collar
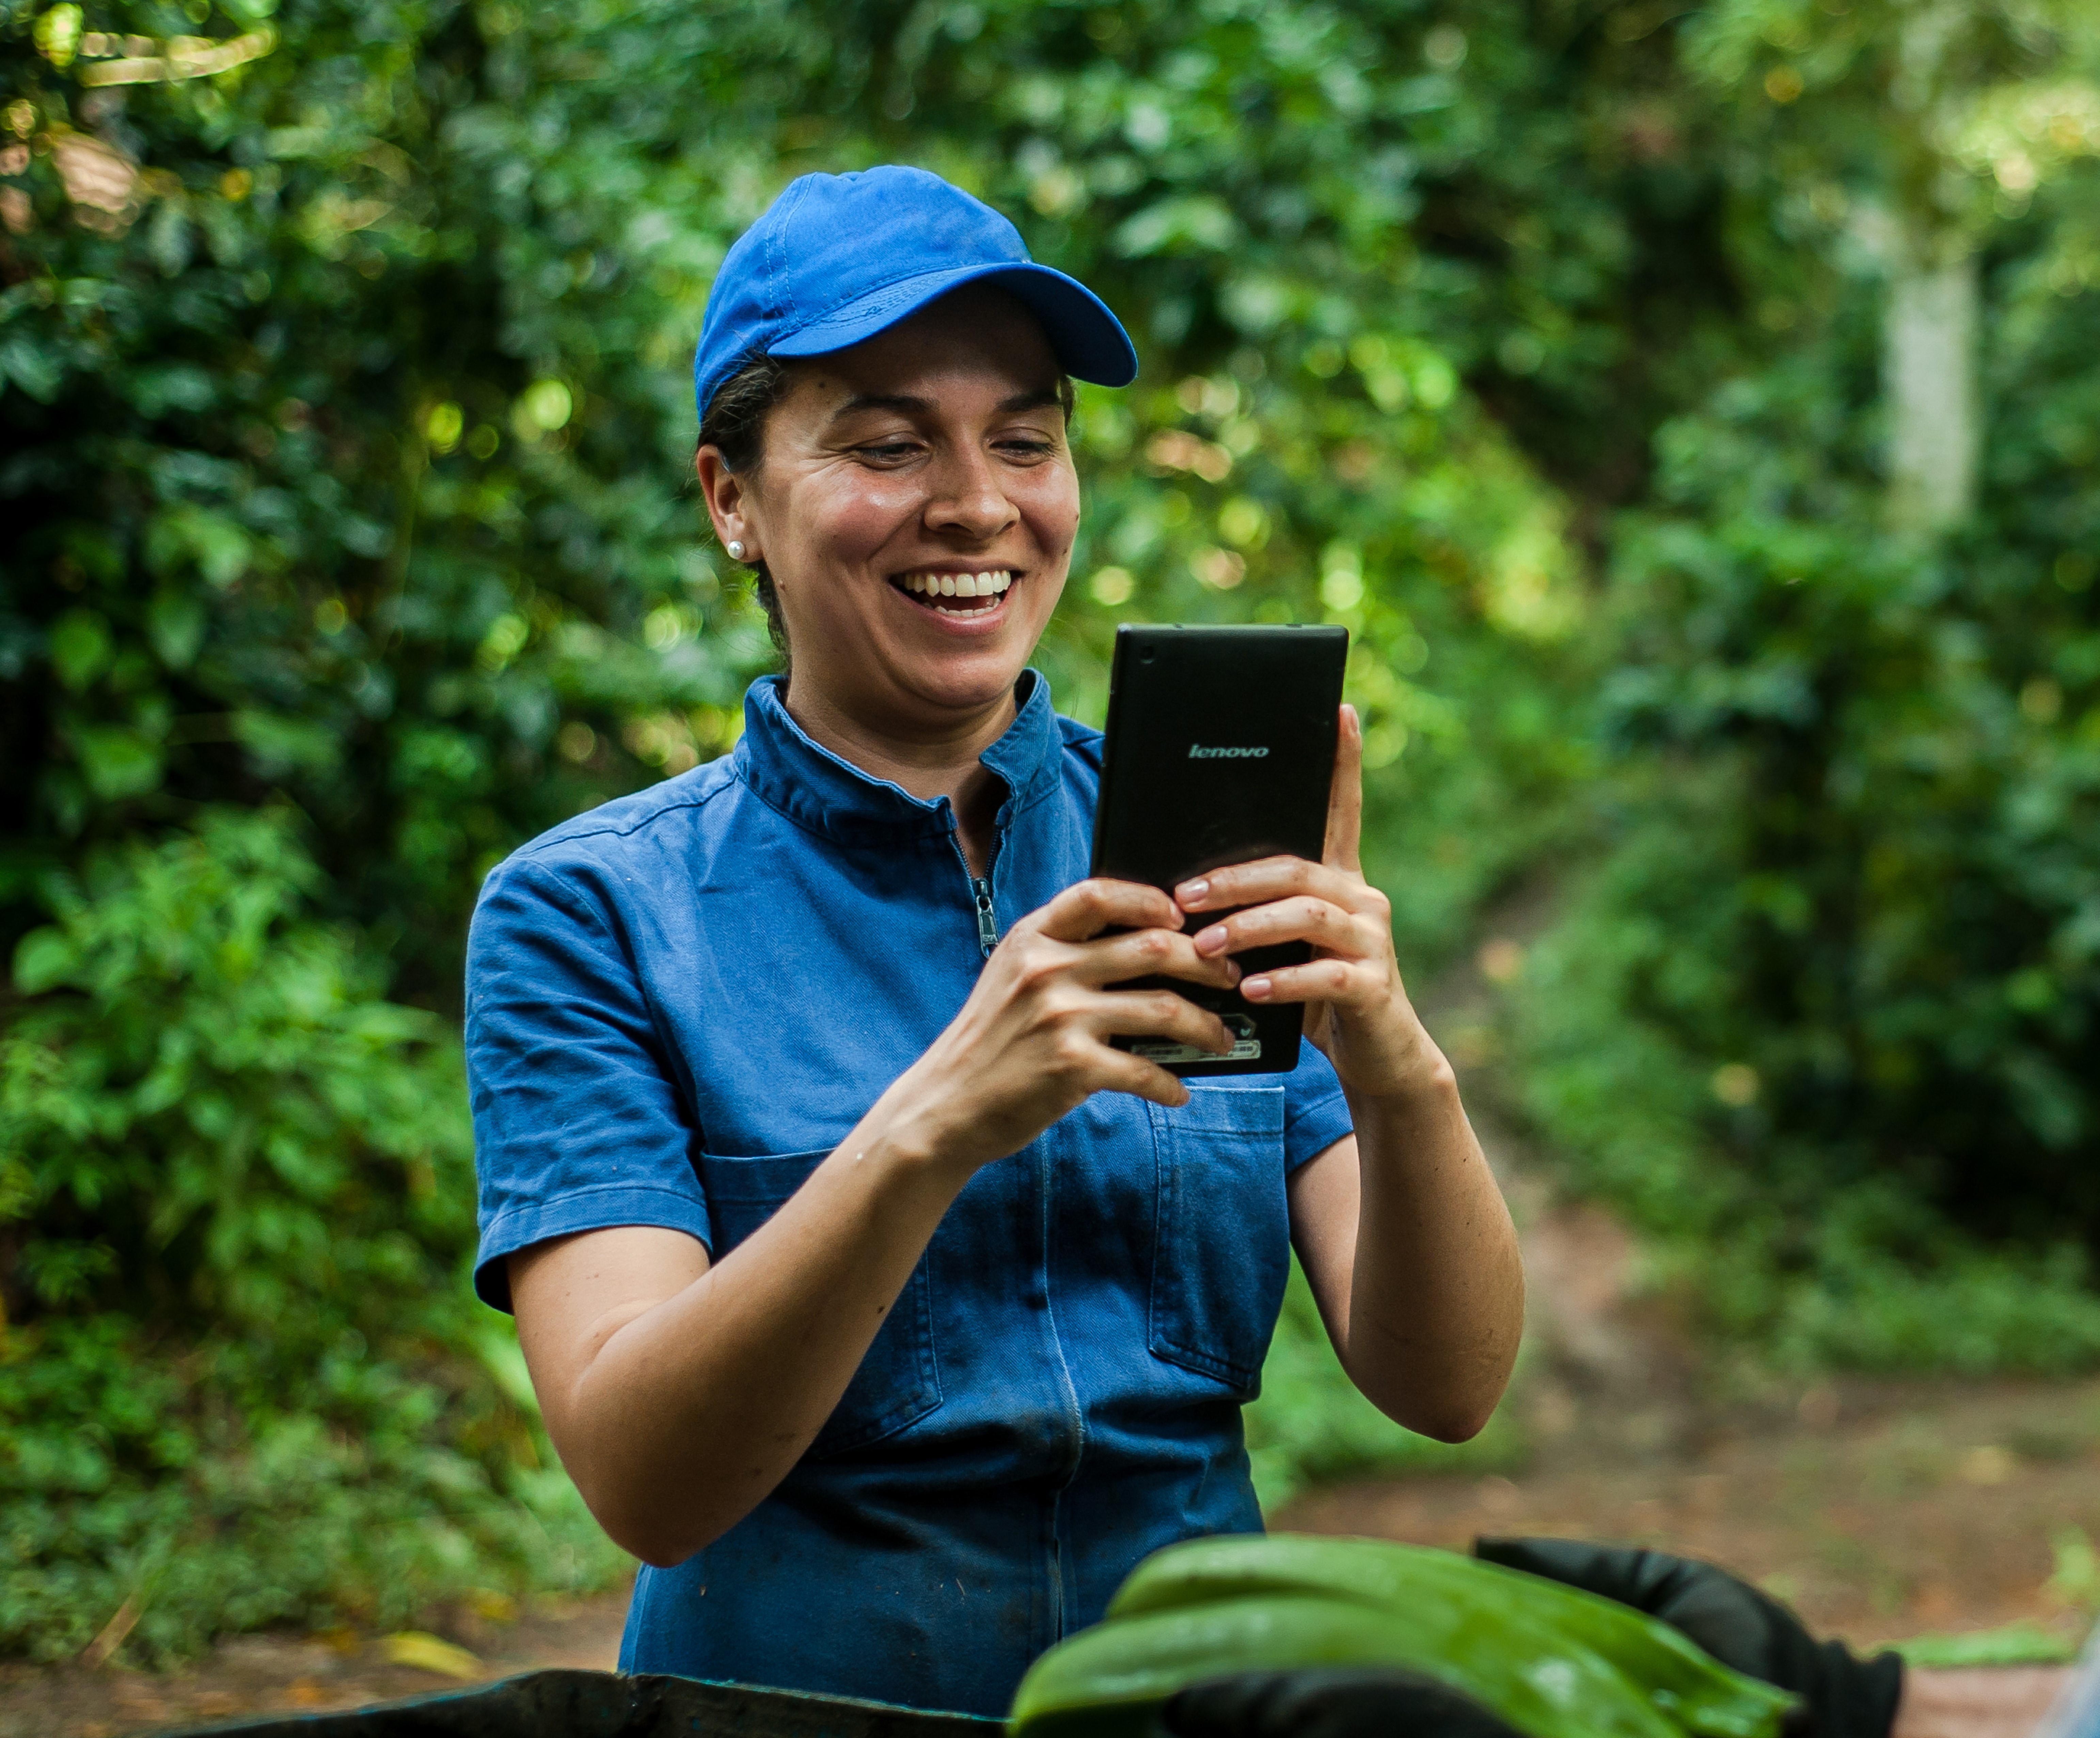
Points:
[825,794]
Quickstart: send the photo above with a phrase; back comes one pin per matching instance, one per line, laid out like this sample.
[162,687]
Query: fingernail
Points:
[1232,971]
[1191,892]
[1212,940]
[1255,989]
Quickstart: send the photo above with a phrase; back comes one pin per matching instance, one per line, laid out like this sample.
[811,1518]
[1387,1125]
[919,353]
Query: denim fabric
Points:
[679,1003]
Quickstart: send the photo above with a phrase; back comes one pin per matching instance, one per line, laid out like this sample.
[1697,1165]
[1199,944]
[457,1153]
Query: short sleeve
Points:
[1315,1113]
[577,1123]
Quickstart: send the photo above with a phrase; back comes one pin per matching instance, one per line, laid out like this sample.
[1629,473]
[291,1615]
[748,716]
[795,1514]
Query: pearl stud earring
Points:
[735,551]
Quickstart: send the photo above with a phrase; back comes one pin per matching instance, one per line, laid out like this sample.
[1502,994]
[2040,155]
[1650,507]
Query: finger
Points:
[1142,1079]
[1084,911]
[1145,953]
[1157,1013]
[1348,982]
[1345,796]
[1274,878]
[1323,924]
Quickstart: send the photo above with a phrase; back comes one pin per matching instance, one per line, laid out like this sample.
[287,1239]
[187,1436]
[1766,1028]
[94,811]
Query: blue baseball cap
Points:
[837,259]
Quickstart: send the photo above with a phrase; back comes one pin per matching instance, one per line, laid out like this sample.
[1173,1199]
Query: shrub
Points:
[243,1382]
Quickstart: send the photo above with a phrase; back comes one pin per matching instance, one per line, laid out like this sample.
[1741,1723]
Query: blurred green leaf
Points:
[79,648]
[185,532]
[2012,1644]
[119,763]
[44,959]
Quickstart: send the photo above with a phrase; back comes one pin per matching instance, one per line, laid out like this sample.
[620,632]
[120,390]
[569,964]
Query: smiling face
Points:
[916,505]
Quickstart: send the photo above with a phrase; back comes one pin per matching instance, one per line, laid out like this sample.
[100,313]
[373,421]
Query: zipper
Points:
[987,922]
[980,889]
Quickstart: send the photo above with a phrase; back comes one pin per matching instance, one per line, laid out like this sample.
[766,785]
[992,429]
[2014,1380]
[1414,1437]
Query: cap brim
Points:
[1090,341]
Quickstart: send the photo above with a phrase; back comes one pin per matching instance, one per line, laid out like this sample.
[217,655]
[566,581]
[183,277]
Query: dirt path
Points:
[1882,1513]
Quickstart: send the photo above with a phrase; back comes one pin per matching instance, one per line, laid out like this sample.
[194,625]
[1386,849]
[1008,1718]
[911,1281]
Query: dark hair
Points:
[735,425]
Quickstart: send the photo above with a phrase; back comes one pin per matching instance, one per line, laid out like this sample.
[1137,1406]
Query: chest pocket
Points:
[1223,1253]
[898,1382]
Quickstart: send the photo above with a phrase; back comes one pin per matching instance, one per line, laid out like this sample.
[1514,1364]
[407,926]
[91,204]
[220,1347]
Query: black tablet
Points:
[1221,750]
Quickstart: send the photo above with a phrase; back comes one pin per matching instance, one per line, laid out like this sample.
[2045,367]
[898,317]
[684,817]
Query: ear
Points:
[728,499]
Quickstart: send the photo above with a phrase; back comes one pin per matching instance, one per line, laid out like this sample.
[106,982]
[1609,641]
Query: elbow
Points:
[1453,1424]
[633,1508]
[641,1527]
[1450,1411]
[660,1515]
[1459,1409]
[655,1526]
[651,1541]
[659,1546]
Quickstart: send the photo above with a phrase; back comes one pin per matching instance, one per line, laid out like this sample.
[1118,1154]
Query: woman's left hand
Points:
[1356,1009]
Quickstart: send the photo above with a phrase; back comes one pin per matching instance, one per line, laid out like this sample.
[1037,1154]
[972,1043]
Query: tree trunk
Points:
[1930,359]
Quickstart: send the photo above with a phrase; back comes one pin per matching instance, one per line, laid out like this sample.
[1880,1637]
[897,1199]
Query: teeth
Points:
[992,585]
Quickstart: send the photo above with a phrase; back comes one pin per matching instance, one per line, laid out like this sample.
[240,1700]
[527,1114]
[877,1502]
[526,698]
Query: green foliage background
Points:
[347,543]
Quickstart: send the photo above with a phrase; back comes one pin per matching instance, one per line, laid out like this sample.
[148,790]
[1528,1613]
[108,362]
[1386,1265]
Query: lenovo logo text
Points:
[1197,751]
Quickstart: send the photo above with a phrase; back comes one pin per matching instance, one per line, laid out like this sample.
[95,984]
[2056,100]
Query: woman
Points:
[874,1300]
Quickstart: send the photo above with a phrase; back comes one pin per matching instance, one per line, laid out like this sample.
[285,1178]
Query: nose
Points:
[968,496]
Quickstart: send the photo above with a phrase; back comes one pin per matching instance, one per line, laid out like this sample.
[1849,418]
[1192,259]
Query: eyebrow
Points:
[907,404]
[901,402]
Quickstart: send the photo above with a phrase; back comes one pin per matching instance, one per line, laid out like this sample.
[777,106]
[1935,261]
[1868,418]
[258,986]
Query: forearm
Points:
[687,1416]
[1436,1289]
[1413,1258]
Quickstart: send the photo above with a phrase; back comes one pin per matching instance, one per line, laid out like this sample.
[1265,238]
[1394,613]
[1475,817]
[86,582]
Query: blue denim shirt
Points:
[679,1003]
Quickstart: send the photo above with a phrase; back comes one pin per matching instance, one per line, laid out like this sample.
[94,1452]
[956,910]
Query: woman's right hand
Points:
[1032,1041]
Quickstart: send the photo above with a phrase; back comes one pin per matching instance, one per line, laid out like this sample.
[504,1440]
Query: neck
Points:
[942,760]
